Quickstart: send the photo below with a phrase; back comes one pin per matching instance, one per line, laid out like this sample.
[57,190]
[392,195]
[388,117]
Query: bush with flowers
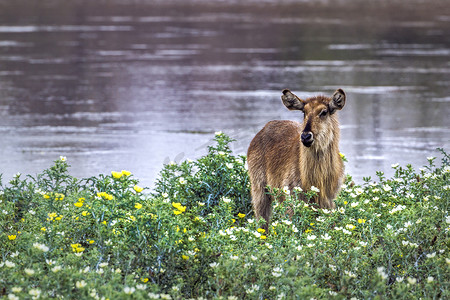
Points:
[194,236]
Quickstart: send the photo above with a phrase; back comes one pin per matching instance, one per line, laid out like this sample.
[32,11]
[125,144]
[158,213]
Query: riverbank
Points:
[194,236]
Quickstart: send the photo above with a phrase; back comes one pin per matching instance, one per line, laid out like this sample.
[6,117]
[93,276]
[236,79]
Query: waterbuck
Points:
[293,154]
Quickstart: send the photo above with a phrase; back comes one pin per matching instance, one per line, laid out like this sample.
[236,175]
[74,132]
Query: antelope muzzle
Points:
[307,138]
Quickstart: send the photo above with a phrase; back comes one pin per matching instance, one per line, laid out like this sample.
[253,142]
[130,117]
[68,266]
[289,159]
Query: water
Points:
[132,85]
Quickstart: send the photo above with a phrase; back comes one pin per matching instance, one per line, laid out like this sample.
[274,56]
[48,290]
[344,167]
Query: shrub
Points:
[194,236]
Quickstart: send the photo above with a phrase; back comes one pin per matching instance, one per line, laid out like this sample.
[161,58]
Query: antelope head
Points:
[319,124]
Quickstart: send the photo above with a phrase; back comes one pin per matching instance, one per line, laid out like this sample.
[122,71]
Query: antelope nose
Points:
[307,136]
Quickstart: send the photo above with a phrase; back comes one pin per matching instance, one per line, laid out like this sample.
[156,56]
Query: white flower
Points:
[229,165]
[387,188]
[430,279]
[332,293]
[213,265]
[226,200]
[80,284]
[9,264]
[394,165]
[350,274]
[350,226]
[346,231]
[399,279]
[412,280]
[332,267]
[298,189]
[431,158]
[182,180]
[29,272]
[56,269]
[408,224]
[129,290]
[153,296]
[218,133]
[364,244]
[310,245]
[63,158]
[277,272]
[286,190]
[41,247]
[359,191]
[13,297]
[234,257]
[254,258]
[102,265]
[299,248]
[165,296]
[382,273]
[354,204]
[16,289]
[431,255]
[314,189]
[311,237]
[35,293]
[326,237]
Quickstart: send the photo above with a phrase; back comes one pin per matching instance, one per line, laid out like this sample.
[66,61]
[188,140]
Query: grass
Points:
[194,236]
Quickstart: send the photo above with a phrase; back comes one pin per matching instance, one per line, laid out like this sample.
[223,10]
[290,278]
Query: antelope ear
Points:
[291,101]
[337,101]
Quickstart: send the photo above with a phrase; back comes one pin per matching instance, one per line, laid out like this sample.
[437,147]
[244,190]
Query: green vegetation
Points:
[194,236]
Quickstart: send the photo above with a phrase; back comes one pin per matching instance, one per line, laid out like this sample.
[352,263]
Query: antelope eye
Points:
[323,113]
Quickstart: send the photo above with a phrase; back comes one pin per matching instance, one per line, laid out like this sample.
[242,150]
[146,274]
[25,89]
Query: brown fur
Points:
[277,156]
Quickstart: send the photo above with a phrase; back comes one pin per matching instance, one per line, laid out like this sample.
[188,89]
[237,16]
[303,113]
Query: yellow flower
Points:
[77,248]
[78,204]
[185,257]
[84,213]
[44,229]
[59,196]
[144,280]
[105,196]
[51,216]
[138,206]
[133,218]
[261,230]
[308,230]
[116,175]
[59,218]
[361,221]
[46,196]
[263,237]
[345,202]
[104,222]
[240,215]
[178,206]
[81,200]
[177,212]
[126,173]
[12,237]
[233,220]
[91,241]
[138,188]
[350,226]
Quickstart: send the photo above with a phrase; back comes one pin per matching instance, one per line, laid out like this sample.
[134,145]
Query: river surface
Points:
[132,85]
